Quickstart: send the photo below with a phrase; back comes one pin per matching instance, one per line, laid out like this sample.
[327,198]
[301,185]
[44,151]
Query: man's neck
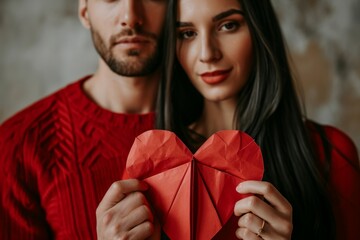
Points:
[122,94]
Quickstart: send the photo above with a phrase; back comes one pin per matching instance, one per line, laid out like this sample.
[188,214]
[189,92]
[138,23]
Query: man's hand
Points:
[124,212]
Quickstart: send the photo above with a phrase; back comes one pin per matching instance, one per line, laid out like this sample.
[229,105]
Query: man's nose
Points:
[131,13]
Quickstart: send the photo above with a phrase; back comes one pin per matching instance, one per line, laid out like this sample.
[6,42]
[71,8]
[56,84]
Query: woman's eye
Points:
[187,34]
[229,26]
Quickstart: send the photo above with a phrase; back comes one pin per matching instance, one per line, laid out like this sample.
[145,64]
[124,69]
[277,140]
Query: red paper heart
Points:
[194,194]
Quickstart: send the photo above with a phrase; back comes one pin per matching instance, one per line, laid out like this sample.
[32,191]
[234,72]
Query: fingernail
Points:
[238,188]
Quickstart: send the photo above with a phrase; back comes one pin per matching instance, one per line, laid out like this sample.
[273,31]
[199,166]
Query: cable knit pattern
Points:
[58,158]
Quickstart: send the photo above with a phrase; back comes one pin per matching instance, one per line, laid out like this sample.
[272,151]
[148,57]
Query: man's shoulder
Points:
[30,115]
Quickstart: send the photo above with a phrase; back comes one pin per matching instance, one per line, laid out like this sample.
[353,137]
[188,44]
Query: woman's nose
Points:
[209,50]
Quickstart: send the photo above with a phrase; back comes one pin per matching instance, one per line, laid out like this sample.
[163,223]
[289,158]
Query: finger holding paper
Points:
[124,212]
[265,215]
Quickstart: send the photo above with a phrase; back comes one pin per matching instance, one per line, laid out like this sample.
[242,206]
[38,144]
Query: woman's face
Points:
[214,46]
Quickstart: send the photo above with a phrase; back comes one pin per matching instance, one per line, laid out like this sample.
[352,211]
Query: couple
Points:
[193,67]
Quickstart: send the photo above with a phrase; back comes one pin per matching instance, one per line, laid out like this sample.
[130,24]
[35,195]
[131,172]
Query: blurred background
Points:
[44,47]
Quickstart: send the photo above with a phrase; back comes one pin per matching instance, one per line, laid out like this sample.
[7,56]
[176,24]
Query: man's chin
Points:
[133,67]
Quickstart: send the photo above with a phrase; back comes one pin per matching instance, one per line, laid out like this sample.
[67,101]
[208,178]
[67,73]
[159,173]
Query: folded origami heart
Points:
[194,194]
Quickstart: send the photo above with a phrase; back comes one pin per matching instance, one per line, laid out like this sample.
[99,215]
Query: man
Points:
[60,155]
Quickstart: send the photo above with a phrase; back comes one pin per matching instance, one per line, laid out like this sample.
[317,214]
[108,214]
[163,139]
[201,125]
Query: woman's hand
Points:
[264,215]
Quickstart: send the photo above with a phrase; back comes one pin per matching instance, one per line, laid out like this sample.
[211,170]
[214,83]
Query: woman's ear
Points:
[83,13]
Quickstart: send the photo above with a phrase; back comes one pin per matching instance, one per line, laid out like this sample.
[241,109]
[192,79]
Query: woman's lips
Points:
[215,77]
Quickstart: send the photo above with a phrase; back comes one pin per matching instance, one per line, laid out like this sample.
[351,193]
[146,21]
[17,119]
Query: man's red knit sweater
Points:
[58,157]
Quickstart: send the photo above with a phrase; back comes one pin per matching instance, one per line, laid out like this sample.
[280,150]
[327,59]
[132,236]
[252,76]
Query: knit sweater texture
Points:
[58,158]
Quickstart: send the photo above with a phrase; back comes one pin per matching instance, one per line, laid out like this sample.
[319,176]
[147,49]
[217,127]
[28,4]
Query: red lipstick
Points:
[215,77]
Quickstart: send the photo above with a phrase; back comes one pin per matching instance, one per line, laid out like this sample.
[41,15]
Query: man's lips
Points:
[215,76]
[129,40]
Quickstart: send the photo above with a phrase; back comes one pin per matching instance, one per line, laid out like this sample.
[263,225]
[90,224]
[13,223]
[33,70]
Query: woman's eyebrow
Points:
[226,14]
[214,19]
[184,24]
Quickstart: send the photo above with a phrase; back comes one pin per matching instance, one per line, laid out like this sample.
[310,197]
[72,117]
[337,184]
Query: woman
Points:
[230,71]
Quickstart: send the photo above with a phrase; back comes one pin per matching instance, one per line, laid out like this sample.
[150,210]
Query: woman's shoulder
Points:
[339,156]
[340,144]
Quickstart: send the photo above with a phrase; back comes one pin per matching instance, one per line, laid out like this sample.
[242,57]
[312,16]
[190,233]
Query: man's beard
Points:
[136,67]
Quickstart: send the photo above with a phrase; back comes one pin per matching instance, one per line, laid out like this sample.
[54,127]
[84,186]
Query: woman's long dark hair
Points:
[268,109]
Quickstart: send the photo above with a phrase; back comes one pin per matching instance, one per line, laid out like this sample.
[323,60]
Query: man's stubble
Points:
[132,65]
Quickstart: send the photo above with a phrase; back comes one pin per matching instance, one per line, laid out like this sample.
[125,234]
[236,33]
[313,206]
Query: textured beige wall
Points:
[324,40]
[43,47]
